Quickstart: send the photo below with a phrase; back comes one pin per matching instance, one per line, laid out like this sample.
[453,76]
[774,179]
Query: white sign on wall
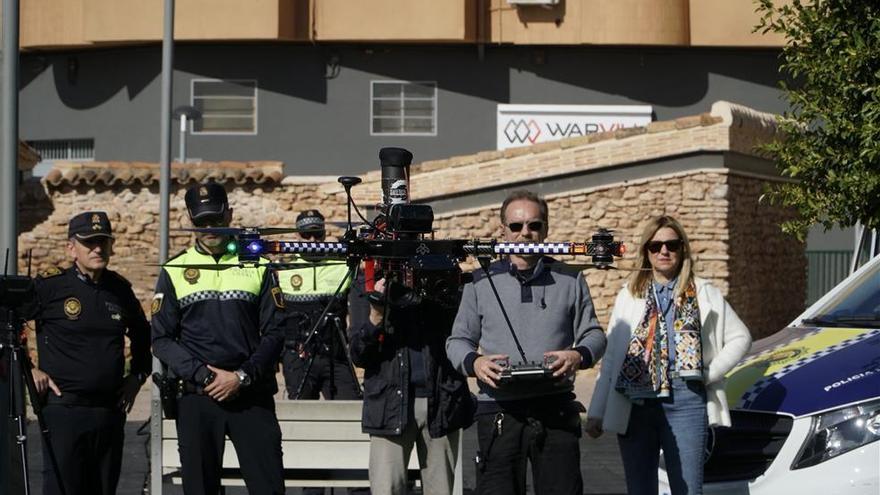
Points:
[522,125]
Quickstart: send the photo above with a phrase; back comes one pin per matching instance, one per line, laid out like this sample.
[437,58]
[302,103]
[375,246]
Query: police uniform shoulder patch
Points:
[156,305]
[72,308]
[278,297]
[51,272]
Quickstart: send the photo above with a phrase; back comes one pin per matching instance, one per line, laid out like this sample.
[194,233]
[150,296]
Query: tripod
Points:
[313,347]
[21,378]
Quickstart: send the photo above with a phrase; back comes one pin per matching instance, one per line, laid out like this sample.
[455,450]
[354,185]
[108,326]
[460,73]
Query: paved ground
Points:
[600,461]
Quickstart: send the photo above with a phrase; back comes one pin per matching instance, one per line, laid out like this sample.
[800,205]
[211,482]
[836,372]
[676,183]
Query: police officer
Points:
[82,318]
[307,292]
[216,326]
[316,365]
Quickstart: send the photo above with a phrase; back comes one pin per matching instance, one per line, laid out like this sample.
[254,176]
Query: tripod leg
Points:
[305,377]
[28,378]
[16,402]
[340,337]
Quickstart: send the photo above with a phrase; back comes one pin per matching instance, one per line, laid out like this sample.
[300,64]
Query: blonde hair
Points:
[640,279]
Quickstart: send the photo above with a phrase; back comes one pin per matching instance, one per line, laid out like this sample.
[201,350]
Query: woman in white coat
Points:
[671,339]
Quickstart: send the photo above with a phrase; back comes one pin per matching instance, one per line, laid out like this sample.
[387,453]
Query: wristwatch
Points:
[243,378]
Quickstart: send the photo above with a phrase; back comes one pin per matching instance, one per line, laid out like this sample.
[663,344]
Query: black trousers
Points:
[549,439]
[87,442]
[250,423]
[318,380]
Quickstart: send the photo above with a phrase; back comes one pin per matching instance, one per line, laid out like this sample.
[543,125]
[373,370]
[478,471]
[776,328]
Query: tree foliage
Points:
[831,135]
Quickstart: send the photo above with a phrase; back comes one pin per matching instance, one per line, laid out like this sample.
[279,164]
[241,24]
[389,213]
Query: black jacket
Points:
[81,327]
[385,356]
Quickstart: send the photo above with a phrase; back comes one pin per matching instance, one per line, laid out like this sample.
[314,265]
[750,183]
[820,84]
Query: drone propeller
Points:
[271,264]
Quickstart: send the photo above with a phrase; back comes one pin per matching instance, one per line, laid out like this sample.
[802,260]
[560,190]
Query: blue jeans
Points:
[678,424]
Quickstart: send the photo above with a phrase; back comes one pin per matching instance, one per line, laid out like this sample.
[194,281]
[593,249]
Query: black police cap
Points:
[89,224]
[310,220]
[206,200]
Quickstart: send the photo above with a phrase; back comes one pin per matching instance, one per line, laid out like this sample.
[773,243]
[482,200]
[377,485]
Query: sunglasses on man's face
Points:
[672,245]
[535,226]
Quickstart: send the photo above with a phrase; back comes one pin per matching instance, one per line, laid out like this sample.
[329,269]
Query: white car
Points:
[806,403]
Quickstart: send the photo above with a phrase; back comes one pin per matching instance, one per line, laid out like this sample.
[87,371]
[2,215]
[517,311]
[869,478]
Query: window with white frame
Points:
[228,106]
[403,108]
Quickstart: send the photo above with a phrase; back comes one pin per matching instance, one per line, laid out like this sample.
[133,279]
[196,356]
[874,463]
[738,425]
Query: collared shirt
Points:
[666,295]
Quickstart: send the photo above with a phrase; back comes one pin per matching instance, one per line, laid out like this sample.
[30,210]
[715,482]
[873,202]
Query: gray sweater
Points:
[550,311]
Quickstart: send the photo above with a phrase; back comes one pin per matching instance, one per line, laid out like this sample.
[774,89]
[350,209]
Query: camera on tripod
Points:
[17,298]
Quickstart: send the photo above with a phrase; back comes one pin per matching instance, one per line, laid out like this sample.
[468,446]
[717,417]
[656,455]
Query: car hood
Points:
[803,370]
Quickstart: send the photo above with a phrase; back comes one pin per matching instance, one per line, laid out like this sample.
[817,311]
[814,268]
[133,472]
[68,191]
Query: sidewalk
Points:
[600,461]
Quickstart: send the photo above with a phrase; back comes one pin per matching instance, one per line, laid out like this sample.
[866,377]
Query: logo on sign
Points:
[522,130]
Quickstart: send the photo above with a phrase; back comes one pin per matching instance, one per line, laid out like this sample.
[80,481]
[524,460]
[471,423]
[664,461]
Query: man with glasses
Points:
[216,325]
[83,315]
[550,309]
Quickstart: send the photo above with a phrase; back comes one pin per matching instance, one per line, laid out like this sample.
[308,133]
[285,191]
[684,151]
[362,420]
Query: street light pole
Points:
[186,114]
[164,197]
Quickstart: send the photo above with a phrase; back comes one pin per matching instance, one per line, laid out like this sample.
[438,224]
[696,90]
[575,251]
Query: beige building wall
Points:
[73,23]
[729,23]
[622,22]
[395,20]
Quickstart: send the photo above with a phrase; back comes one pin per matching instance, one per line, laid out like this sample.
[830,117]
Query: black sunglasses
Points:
[672,245]
[534,226]
[312,234]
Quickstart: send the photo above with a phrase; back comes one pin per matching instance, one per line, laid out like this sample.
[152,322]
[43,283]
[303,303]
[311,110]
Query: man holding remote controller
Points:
[526,410]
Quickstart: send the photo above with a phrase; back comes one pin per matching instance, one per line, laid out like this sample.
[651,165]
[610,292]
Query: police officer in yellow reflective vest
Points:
[318,364]
[218,330]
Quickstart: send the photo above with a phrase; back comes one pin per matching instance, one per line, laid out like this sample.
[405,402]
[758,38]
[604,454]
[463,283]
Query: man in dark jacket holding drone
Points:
[412,394]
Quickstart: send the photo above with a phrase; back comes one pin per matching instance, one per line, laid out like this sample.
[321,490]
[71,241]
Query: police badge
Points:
[72,308]
[191,275]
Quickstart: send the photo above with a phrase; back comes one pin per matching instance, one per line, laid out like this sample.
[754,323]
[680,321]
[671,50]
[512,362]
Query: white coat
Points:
[725,341]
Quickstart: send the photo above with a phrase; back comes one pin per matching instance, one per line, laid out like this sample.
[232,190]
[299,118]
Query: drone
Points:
[399,246]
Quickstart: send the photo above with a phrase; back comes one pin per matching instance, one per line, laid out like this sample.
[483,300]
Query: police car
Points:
[805,403]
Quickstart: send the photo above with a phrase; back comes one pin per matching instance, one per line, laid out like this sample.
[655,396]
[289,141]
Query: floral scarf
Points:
[645,372]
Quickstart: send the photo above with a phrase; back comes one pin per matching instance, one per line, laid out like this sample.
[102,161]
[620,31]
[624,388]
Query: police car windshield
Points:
[856,306]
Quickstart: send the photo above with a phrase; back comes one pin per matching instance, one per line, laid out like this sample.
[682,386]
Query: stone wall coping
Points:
[143,173]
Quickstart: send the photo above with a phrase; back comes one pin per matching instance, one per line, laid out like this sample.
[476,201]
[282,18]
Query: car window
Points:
[858,305]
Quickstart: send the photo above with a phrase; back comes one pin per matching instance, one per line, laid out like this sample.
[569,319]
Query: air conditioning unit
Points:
[532,2]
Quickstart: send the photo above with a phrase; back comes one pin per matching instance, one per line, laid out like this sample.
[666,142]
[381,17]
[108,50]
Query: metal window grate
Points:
[403,108]
[64,149]
[227,106]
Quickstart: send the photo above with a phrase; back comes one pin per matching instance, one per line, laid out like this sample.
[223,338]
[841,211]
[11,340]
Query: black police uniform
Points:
[80,325]
[226,318]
